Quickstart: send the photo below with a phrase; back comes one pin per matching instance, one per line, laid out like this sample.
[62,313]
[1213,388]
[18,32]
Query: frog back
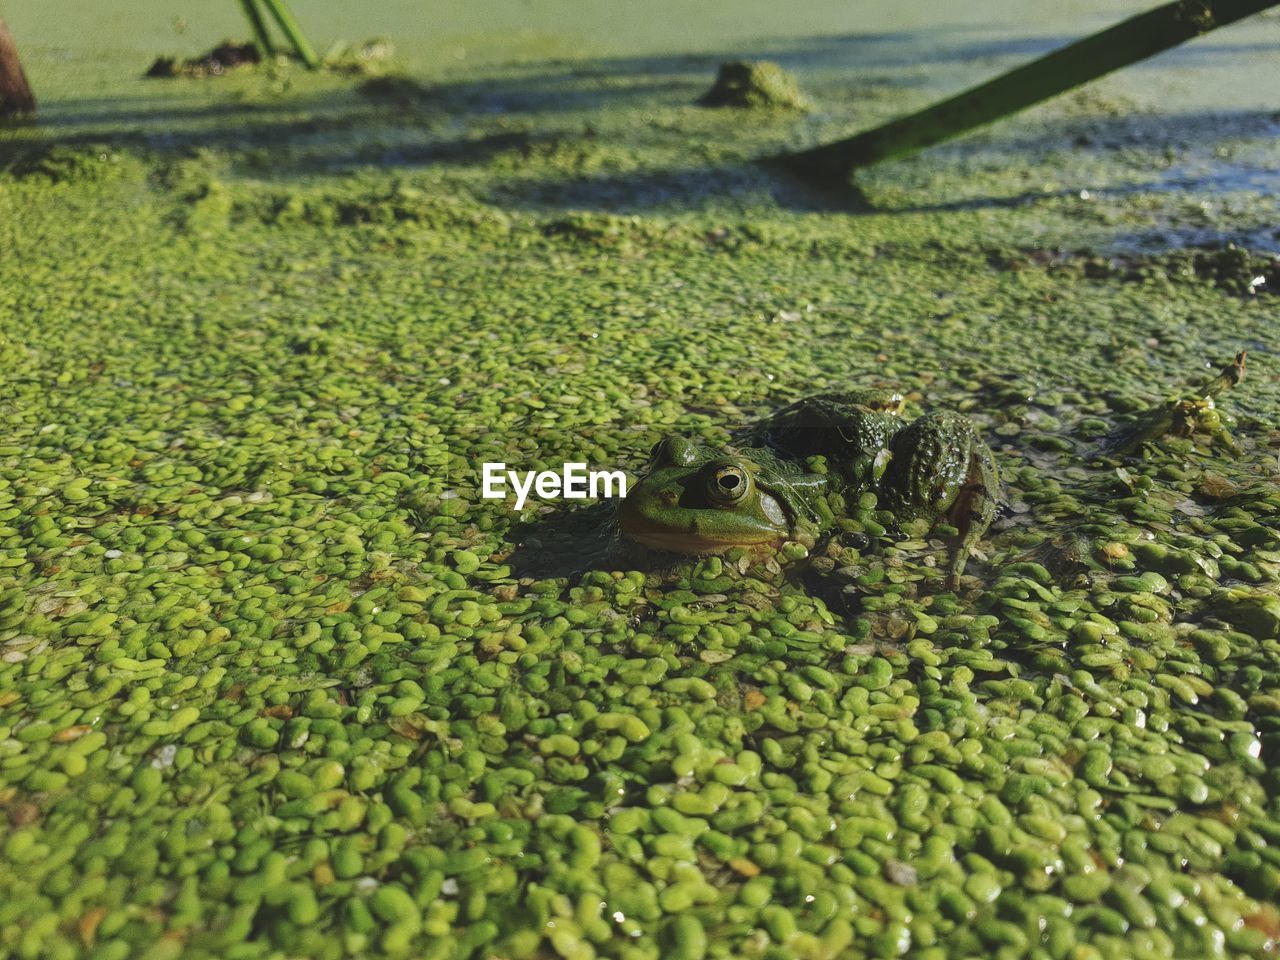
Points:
[849,428]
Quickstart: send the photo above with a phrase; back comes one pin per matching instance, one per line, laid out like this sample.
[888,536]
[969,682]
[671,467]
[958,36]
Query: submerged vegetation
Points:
[275,680]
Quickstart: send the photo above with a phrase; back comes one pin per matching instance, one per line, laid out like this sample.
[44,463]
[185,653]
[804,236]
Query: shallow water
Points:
[1198,119]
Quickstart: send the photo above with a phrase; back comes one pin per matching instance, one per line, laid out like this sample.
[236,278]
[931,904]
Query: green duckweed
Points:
[276,680]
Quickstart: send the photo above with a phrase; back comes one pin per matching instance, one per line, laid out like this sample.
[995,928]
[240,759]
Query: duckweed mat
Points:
[275,680]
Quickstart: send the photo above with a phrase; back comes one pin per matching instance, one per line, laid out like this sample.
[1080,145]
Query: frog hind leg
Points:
[973,510]
[941,469]
[1214,425]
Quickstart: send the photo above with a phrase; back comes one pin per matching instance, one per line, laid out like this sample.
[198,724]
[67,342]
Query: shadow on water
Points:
[148,115]
[548,88]
[1195,135]
[566,542]
[687,187]
[458,125]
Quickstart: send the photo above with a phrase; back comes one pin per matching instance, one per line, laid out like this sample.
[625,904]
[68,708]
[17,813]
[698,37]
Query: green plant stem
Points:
[1118,46]
[289,25]
[260,35]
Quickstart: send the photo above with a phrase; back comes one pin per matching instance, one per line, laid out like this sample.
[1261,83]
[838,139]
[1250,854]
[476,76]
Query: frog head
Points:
[876,400]
[697,499]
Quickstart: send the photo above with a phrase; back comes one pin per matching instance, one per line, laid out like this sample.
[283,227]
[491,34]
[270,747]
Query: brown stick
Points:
[16,98]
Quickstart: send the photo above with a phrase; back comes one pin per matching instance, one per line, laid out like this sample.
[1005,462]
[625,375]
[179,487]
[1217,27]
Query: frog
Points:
[773,483]
[1194,414]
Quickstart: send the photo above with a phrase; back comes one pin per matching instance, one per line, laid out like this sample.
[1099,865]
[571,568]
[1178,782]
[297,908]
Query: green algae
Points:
[757,85]
[274,679]
[64,164]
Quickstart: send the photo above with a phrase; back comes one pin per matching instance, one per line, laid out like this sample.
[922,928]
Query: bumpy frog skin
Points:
[699,500]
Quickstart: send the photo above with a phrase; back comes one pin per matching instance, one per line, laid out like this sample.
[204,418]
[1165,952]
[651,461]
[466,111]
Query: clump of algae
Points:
[757,84]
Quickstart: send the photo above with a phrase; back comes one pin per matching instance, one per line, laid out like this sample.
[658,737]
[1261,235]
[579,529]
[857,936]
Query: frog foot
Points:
[972,512]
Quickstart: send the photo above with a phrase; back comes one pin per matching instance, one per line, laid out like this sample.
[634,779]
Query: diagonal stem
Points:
[293,31]
[1119,46]
[261,38]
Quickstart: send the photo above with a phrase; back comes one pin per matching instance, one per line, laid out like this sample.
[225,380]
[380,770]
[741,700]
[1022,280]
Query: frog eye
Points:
[674,450]
[728,484]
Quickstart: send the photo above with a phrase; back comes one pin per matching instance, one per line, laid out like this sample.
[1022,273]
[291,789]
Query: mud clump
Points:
[754,84]
[225,56]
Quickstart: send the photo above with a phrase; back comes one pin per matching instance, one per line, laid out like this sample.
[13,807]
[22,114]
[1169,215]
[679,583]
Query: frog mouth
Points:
[685,536]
